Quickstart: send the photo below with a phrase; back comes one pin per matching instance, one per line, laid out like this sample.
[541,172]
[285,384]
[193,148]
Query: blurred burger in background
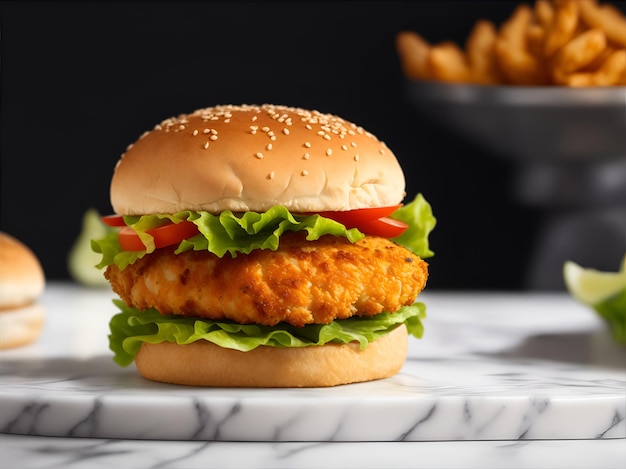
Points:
[22,282]
[264,246]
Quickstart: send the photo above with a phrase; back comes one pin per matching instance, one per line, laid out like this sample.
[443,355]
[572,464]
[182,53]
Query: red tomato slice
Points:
[371,221]
[354,217]
[113,220]
[384,227]
[166,235]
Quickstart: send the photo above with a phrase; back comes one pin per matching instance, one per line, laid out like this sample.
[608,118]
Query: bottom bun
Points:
[21,326]
[205,364]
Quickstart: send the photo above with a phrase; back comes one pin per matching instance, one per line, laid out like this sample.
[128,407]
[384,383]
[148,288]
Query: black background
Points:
[80,81]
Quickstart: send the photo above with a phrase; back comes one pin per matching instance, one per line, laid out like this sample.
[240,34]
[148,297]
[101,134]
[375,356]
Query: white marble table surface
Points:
[499,380]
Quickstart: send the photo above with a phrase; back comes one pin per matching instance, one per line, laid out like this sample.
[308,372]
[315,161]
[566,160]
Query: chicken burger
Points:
[263,246]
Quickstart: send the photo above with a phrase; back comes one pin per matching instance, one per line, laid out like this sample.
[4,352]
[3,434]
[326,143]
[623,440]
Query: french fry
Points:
[610,73]
[613,69]
[562,27]
[519,67]
[580,51]
[514,60]
[413,50]
[544,12]
[513,29]
[480,50]
[447,62]
[605,17]
[622,80]
[535,36]
[579,80]
[596,63]
[617,21]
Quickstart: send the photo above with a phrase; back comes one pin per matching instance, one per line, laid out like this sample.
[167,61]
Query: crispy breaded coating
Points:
[304,282]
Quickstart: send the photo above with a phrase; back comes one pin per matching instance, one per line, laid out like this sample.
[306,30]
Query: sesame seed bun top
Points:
[21,275]
[250,158]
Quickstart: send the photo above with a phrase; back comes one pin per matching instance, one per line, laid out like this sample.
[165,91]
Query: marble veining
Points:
[500,367]
[90,453]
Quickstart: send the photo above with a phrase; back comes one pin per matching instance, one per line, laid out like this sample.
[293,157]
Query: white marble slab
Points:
[490,367]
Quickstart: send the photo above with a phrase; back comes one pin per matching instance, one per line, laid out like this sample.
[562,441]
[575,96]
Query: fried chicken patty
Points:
[303,282]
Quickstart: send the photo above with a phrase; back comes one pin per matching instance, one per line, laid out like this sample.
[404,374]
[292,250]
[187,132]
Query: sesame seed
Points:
[206,131]
[353,144]
[265,129]
[344,147]
[382,151]
[213,137]
[356,157]
[206,145]
[305,173]
[308,127]
[214,132]
[306,156]
[326,137]
[269,146]
[254,118]
[181,127]
[329,152]
[320,133]
[195,132]
[270,175]
[307,144]
[259,155]
[226,121]
[286,131]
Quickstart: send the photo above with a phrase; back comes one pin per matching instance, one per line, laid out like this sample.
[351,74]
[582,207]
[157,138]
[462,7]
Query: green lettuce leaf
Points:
[234,233]
[132,327]
[226,232]
[419,216]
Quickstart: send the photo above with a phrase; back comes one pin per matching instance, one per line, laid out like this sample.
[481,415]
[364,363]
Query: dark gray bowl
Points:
[569,143]
[568,148]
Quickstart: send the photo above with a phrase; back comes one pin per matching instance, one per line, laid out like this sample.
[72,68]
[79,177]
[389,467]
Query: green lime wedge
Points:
[81,260]
[605,292]
[591,286]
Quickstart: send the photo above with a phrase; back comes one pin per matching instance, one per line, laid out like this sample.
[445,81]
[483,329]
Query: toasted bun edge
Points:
[202,363]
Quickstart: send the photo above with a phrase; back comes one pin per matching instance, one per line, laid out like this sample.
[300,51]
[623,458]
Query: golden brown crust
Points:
[250,158]
[205,364]
[21,275]
[304,282]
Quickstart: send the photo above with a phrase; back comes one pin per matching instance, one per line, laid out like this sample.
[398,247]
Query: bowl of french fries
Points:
[548,83]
